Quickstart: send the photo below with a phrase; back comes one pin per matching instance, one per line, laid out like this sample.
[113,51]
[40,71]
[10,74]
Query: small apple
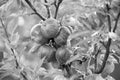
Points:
[48,52]
[62,55]
[50,28]
[36,34]
[62,37]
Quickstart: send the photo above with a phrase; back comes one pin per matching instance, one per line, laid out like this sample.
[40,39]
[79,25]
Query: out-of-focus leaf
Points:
[14,39]
[70,20]
[77,34]
[11,22]
[74,58]
[9,67]
[113,36]
[90,77]
[110,78]
[99,77]
[10,77]
[29,60]
[115,47]
[2,44]
[8,51]
[41,71]
[40,64]
[109,68]
[52,72]
[34,48]
[112,59]
[2,2]
[24,29]
[3,75]
[81,67]
[60,77]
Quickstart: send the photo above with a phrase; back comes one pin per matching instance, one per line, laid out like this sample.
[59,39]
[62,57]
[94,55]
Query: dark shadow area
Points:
[116,73]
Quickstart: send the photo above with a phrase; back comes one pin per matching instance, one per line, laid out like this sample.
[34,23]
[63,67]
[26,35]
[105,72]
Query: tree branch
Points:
[116,22]
[5,30]
[57,7]
[96,54]
[9,42]
[23,75]
[32,7]
[109,19]
[105,57]
[48,10]
[17,64]
[100,70]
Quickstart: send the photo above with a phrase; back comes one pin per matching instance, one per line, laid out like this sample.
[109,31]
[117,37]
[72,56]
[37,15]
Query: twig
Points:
[96,54]
[68,69]
[23,75]
[116,22]
[57,7]
[105,57]
[32,7]
[17,64]
[100,70]
[109,19]
[9,41]
[48,10]
[5,30]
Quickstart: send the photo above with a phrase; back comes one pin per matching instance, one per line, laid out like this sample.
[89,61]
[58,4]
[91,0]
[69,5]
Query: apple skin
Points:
[37,36]
[48,52]
[62,55]
[50,28]
[2,45]
[62,37]
[109,68]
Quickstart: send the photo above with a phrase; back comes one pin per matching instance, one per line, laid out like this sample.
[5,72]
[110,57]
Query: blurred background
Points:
[115,74]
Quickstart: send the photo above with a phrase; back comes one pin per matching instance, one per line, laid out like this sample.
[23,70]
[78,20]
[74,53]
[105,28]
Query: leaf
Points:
[113,36]
[41,71]
[81,67]
[90,77]
[8,52]
[115,46]
[41,61]
[112,59]
[34,48]
[2,2]
[109,68]
[77,34]
[30,61]
[52,72]
[8,64]
[24,29]
[3,75]
[11,22]
[10,69]
[110,78]
[14,39]
[99,77]
[74,58]
[60,77]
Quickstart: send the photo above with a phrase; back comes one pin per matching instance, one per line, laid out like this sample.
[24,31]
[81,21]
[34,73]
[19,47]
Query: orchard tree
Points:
[59,39]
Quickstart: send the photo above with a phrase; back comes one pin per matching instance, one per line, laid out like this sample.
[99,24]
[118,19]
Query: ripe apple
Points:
[50,28]
[62,55]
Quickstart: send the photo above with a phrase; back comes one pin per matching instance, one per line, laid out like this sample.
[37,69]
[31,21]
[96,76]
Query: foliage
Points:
[59,39]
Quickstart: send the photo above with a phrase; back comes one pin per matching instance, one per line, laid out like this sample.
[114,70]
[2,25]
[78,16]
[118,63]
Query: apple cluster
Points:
[53,38]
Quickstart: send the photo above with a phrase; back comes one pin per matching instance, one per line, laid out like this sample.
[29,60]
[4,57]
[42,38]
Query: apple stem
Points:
[48,10]
[57,7]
